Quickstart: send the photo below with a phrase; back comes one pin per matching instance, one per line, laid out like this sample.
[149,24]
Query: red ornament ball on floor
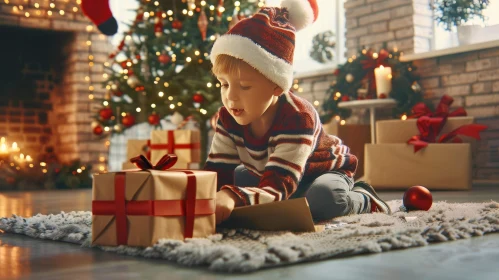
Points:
[418,198]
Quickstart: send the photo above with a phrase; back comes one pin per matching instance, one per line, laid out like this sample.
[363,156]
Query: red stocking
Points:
[100,14]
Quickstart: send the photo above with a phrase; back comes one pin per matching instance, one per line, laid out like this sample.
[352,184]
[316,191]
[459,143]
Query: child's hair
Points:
[227,64]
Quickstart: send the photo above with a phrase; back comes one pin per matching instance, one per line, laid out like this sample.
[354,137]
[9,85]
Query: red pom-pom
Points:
[177,24]
[153,119]
[128,120]
[418,198]
[106,113]
[198,98]
[98,130]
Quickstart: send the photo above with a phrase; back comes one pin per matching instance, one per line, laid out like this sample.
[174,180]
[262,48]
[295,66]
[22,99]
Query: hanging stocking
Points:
[99,12]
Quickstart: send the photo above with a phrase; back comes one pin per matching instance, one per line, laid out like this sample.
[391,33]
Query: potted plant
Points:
[454,14]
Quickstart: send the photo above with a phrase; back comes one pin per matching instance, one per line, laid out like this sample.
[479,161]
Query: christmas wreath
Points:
[355,80]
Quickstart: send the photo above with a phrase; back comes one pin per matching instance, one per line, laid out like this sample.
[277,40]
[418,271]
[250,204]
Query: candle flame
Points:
[381,67]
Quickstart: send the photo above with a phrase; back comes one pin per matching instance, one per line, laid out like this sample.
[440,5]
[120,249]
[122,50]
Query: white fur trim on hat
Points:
[274,68]
[301,13]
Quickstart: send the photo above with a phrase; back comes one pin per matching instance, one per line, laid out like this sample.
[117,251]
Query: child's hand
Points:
[225,203]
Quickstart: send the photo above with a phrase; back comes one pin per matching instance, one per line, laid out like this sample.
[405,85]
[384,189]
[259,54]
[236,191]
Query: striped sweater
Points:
[295,148]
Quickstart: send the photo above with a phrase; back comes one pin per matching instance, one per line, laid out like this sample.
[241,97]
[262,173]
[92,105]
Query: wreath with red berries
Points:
[355,81]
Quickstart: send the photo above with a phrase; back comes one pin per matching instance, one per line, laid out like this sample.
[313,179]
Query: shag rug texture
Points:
[242,250]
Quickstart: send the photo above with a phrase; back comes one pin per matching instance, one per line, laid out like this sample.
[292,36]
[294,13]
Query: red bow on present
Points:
[430,128]
[166,162]
[443,109]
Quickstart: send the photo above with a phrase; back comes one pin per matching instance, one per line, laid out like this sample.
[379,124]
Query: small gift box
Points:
[139,207]
[184,143]
[398,131]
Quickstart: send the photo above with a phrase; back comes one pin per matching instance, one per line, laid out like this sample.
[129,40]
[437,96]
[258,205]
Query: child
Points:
[269,144]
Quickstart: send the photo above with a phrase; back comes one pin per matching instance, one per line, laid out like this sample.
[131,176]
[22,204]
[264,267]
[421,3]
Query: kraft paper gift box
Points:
[184,143]
[399,131]
[138,208]
[436,167]
[136,147]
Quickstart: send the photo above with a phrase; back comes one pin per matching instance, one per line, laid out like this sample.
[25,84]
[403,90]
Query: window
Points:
[331,17]
[480,31]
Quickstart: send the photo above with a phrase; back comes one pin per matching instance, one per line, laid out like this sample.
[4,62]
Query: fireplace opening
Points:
[31,82]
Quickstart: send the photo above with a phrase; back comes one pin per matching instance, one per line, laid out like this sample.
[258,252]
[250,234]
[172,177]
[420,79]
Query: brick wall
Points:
[472,79]
[71,107]
[404,24]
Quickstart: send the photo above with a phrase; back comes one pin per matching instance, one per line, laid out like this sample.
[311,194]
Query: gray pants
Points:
[329,195]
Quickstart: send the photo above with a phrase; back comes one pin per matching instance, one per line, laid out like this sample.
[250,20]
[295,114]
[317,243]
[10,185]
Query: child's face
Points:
[248,95]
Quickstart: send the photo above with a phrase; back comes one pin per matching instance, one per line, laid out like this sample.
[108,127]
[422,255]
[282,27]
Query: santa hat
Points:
[266,40]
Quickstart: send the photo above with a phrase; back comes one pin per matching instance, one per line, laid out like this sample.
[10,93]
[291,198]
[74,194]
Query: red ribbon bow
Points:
[429,129]
[443,109]
[166,162]
[121,208]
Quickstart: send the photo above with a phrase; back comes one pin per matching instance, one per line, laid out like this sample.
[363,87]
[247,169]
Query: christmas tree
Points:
[162,66]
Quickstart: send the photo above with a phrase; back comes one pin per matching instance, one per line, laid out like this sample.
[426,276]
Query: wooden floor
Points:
[26,258]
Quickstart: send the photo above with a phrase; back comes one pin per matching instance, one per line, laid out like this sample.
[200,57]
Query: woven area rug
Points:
[245,250]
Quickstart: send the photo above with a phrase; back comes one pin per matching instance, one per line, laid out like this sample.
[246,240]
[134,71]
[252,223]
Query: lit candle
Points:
[15,148]
[383,77]
[3,148]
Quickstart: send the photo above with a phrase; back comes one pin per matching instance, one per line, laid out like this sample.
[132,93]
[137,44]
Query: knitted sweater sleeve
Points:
[223,157]
[292,147]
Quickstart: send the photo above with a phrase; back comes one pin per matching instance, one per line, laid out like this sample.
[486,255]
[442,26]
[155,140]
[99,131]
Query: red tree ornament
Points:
[106,113]
[128,120]
[153,119]
[177,24]
[118,93]
[198,98]
[98,130]
[164,58]
[418,198]
[345,98]
[203,24]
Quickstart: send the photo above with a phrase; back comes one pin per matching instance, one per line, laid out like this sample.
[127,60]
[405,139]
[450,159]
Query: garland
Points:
[355,81]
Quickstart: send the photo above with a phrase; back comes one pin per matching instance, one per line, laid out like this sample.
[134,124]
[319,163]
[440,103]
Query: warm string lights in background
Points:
[34,8]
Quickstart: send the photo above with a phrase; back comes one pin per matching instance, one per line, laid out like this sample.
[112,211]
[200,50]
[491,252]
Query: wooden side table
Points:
[372,104]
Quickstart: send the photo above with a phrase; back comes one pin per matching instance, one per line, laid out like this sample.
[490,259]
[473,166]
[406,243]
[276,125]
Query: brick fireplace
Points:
[45,75]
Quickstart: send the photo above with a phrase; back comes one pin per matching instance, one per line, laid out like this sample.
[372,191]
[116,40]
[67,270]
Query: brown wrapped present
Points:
[136,147]
[137,208]
[184,143]
[436,167]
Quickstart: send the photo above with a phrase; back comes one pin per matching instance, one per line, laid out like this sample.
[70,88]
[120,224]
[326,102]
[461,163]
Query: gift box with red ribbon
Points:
[428,149]
[184,143]
[425,122]
[139,207]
